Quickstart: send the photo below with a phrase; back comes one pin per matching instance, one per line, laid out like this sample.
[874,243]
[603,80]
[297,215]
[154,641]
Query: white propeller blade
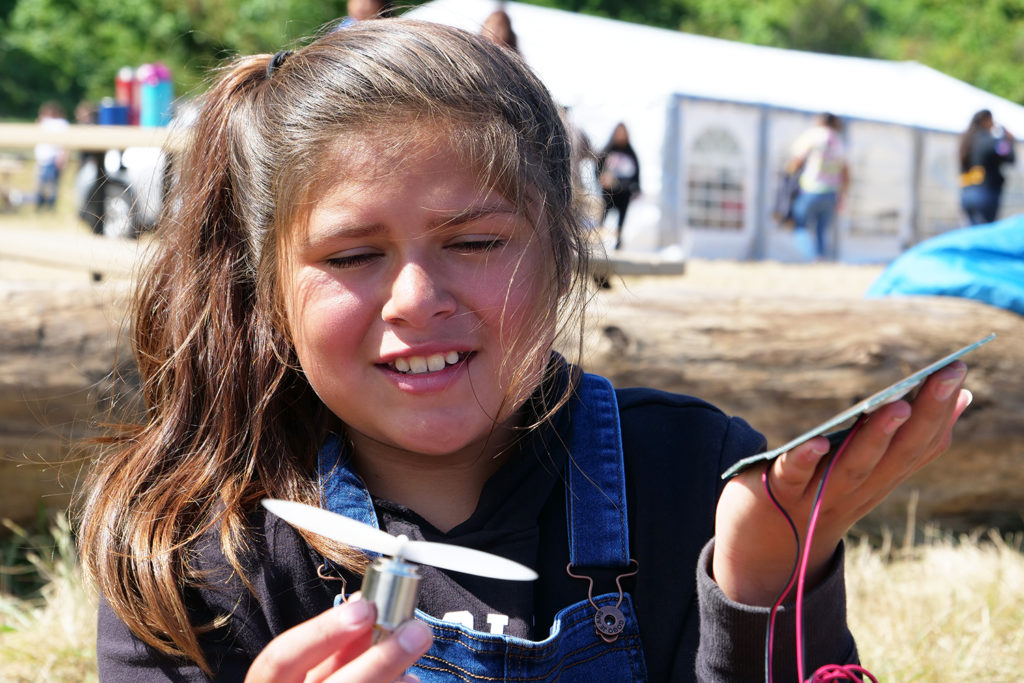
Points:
[349,531]
[468,560]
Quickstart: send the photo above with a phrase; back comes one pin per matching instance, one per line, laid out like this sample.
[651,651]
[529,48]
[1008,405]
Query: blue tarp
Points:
[985,263]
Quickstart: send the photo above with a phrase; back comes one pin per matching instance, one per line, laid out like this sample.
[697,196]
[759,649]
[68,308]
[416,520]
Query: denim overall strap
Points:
[596,500]
[342,490]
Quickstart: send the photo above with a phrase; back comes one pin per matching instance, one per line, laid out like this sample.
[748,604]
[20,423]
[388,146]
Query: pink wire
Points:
[811,524]
[837,672]
[828,672]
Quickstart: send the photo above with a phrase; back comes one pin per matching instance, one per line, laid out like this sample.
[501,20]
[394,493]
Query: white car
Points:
[125,199]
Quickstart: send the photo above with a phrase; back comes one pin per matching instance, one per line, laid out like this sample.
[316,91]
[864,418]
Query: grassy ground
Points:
[47,616]
[948,609]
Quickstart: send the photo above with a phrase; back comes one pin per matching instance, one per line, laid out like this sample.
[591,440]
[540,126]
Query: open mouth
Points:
[435,362]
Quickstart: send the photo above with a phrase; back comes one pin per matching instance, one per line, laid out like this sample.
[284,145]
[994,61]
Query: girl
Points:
[372,252]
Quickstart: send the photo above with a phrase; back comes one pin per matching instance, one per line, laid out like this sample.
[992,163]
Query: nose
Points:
[418,295]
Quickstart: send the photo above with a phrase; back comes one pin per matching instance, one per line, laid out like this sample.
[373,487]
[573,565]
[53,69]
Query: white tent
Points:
[712,121]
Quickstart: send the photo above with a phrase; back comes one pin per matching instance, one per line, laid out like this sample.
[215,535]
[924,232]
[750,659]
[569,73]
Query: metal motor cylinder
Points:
[393,585]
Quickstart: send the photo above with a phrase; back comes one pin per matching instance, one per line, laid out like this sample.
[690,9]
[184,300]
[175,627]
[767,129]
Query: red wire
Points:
[828,672]
[770,638]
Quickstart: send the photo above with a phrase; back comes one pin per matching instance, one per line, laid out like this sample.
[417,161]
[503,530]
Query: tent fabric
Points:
[985,263]
[580,57]
[608,71]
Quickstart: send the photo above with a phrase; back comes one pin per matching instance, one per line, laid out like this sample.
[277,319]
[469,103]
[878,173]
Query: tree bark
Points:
[785,363]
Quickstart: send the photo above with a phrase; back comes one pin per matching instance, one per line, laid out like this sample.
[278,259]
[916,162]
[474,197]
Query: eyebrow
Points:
[472,213]
[360,230]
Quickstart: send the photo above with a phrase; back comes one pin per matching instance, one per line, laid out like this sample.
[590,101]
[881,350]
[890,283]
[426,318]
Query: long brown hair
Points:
[980,122]
[230,418]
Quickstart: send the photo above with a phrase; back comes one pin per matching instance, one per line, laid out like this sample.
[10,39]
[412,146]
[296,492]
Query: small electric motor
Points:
[393,585]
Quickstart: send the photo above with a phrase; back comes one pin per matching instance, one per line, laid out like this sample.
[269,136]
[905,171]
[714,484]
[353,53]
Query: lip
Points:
[426,382]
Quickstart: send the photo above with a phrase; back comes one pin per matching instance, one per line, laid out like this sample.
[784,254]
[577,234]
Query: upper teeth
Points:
[432,363]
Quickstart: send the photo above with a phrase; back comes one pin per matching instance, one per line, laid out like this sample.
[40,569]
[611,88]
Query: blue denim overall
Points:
[575,649]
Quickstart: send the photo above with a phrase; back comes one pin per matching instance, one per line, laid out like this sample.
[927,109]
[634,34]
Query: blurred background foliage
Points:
[70,50]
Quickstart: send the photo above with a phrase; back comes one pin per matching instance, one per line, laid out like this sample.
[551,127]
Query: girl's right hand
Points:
[335,646]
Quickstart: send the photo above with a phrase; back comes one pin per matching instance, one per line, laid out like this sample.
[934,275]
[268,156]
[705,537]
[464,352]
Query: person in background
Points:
[819,155]
[361,10]
[497,28]
[618,173]
[984,148]
[50,159]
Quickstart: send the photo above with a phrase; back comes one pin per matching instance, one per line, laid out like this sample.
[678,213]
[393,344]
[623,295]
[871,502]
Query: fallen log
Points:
[785,363]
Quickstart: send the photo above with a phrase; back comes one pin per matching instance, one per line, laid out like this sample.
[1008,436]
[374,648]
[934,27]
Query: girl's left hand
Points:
[754,547]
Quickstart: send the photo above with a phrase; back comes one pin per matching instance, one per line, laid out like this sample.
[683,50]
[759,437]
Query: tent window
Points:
[715,173]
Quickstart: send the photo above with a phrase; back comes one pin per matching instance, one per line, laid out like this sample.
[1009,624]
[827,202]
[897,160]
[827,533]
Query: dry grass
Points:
[948,609]
[50,635]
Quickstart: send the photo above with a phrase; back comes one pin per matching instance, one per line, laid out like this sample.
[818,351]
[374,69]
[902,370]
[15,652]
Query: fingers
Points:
[927,433]
[888,446]
[335,646]
[388,659]
[891,444]
[339,634]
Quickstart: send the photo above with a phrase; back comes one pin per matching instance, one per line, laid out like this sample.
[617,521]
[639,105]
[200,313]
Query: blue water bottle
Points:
[156,95]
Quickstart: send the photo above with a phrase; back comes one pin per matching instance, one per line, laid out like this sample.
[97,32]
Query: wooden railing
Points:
[88,137]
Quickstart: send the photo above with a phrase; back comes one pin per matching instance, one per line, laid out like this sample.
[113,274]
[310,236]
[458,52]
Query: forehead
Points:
[370,156]
[382,152]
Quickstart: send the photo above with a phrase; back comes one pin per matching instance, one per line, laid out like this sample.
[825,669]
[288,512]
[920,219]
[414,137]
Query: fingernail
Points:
[894,423]
[821,447]
[968,397]
[948,386]
[413,637]
[356,614]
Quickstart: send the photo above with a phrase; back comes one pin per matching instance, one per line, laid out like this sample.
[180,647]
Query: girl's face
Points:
[404,291]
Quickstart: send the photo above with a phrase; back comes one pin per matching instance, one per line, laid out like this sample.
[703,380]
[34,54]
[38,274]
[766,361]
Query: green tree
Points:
[978,41]
[71,49]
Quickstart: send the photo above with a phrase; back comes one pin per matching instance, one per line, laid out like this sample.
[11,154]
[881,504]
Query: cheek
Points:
[323,320]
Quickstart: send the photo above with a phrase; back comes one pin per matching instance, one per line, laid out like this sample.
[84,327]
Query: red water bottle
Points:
[124,92]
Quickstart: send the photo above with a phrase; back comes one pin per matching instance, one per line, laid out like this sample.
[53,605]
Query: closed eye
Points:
[473,246]
[352,260]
